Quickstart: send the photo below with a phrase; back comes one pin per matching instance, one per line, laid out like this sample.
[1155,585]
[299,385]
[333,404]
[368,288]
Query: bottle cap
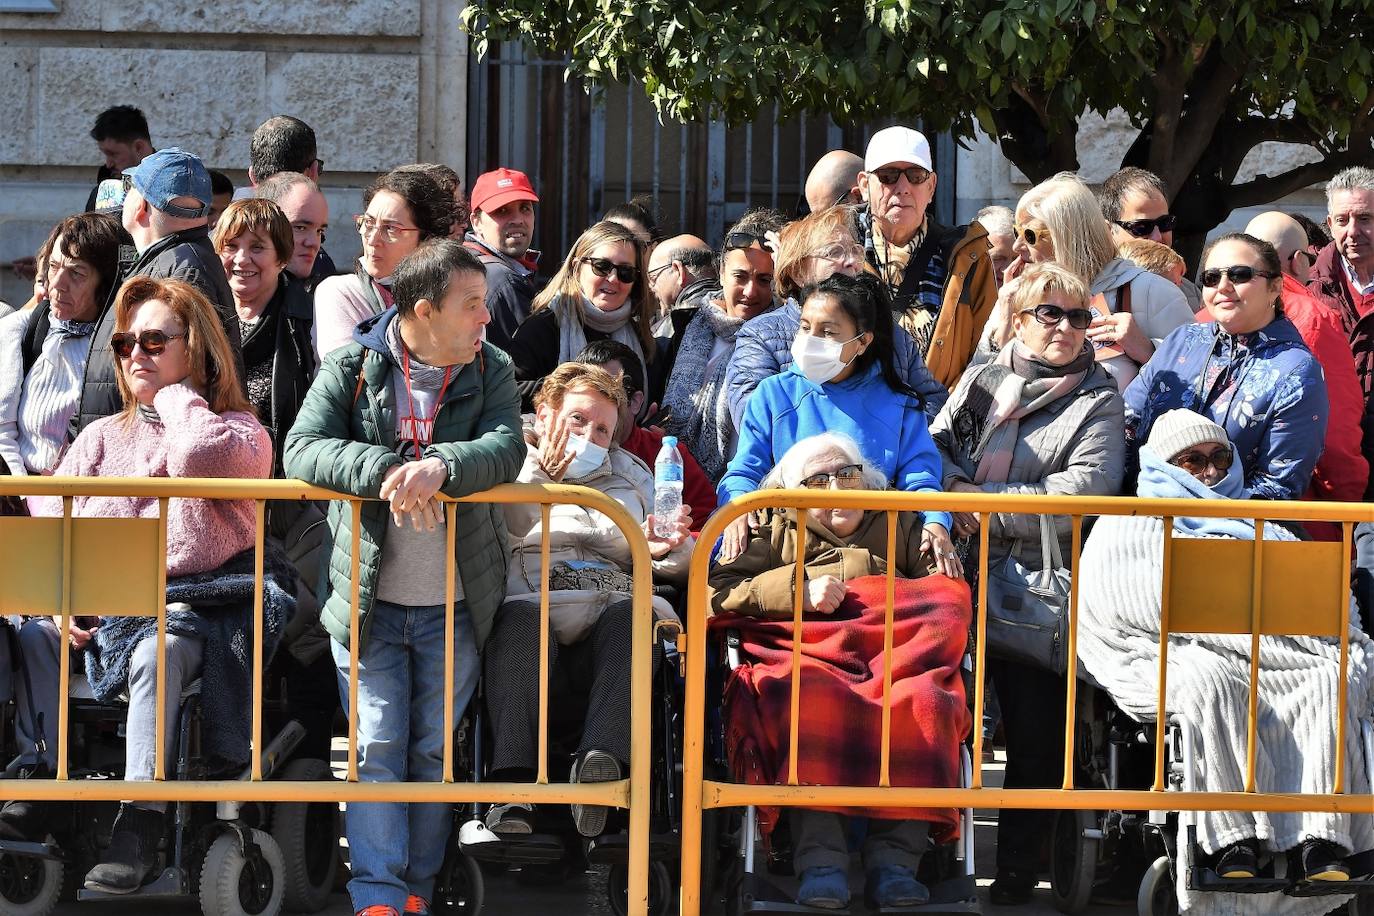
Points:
[670,440]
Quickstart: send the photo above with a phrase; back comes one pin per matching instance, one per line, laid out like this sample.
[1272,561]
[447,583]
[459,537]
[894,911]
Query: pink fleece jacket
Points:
[191,441]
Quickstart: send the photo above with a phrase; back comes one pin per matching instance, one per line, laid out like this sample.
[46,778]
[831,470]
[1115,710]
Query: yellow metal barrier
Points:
[1278,589]
[65,567]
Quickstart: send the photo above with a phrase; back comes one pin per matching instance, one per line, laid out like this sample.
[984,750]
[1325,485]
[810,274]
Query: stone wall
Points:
[382,82]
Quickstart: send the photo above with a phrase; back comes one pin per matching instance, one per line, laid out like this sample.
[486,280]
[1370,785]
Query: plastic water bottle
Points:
[667,487]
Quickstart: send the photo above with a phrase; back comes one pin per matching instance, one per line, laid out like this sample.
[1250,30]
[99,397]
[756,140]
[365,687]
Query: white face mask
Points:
[587,456]
[817,358]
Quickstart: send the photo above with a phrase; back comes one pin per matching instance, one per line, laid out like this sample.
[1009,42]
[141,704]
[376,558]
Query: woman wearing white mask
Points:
[577,410]
[842,380]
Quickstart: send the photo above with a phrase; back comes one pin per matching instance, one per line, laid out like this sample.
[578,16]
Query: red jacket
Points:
[697,491]
[1329,284]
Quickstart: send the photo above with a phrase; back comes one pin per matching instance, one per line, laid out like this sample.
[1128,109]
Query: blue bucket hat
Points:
[171,173]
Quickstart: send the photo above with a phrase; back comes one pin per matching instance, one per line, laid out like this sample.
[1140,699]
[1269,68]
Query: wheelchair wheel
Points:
[29,886]
[660,890]
[232,884]
[1073,860]
[307,833]
[1157,895]
[460,886]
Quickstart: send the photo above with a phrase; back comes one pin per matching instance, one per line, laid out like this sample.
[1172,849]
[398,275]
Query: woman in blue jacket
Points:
[1246,370]
[842,380]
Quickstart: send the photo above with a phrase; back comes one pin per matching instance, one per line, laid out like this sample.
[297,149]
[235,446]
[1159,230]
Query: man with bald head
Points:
[834,180]
[682,272]
[1342,473]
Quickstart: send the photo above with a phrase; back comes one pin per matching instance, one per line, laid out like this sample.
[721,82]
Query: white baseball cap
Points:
[897,144]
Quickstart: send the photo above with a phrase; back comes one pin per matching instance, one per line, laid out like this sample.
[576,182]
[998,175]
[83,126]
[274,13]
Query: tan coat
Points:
[760,582]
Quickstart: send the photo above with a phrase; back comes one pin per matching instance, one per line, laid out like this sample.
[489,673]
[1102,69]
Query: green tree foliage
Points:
[1204,81]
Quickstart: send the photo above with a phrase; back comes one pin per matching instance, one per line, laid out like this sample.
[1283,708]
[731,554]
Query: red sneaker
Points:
[378,909]
[417,904]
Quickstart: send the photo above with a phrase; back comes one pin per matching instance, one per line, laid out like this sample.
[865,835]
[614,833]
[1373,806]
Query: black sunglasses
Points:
[625,273]
[914,174]
[849,477]
[1196,462]
[1237,274]
[1051,315]
[1030,235]
[746,240]
[152,342]
[1141,228]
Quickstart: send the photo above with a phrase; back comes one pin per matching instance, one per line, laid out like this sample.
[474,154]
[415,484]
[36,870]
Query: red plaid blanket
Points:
[840,731]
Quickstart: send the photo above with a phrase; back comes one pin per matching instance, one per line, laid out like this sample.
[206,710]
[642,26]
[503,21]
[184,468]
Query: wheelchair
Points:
[233,857]
[748,879]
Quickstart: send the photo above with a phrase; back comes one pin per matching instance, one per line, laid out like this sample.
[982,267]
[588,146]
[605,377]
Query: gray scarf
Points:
[696,390]
[576,313]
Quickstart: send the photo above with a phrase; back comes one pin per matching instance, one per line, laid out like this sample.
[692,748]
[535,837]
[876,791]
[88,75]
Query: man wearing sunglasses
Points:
[1136,205]
[940,277]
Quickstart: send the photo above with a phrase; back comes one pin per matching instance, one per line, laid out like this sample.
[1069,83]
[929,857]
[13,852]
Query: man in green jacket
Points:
[417,405]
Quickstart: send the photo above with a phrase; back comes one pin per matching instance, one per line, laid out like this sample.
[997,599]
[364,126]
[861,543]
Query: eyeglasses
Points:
[1196,462]
[838,253]
[1051,315]
[300,229]
[1237,274]
[657,272]
[1030,235]
[625,273]
[391,231]
[746,240]
[914,174]
[1141,228]
[152,342]
[849,477]
[319,166]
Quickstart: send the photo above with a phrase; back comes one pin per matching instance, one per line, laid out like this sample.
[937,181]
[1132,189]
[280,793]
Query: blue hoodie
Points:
[1265,389]
[890,429]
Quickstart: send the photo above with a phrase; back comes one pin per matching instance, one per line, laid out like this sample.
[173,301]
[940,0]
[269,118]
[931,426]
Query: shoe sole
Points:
[1336,876]
[1238,875]
[596,767]
[825,903]
[107,889]
[511,828]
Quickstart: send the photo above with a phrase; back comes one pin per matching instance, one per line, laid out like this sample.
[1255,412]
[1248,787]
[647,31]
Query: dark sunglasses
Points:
[1196,462]
[1051,315]
[849,477]
[152,342]
[625,273]
[746,240]
[1031,236]
[1141,228]
[1237,274]
[914,174]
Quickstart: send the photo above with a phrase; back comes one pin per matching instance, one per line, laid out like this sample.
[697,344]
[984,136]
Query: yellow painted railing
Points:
[1288,588]
[69,566]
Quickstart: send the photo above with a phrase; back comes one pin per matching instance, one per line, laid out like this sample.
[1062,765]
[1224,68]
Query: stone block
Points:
[364,107]
[18,74]
[72,15]
[264,17]
[207,102]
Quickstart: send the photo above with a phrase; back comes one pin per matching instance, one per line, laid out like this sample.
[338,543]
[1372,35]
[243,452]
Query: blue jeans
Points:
[401,739]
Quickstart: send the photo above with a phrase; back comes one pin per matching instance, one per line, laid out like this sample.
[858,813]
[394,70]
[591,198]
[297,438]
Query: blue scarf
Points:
[1162,480]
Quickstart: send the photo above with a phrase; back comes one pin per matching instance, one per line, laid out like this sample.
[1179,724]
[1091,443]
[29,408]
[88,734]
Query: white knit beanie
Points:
[1176,431]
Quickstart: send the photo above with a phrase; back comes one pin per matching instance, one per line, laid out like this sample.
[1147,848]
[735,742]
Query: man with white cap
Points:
[940,277]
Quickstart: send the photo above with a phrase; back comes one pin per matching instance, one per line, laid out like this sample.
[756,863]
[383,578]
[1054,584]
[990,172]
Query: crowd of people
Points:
[179,328]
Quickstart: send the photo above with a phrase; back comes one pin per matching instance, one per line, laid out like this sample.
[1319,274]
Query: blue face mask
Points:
[587,456]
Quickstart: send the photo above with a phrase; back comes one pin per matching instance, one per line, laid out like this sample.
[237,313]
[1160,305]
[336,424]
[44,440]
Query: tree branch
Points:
[1216,79]
[1169,84]
[1265,188]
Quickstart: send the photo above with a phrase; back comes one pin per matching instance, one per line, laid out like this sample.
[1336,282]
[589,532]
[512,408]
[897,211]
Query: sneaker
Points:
[594,766]
[824,887]
[1239,860]
[894,885]
[378,909]
[1322,861]
[511,819]
[417,904]
[1012,888]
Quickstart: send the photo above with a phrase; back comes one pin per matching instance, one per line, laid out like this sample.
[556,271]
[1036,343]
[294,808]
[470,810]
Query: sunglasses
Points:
[1196,462]
[849,477]
[746,240]
[1051,315]
[1030,235]
[152,342]
[1237,274]
[625,273]
[1141,228]
[914,174]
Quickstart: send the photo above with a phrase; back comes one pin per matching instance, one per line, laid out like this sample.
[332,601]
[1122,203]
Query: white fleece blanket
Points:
[1118,643]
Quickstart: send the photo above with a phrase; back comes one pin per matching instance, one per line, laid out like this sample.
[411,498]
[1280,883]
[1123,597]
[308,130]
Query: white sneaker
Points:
[595,766]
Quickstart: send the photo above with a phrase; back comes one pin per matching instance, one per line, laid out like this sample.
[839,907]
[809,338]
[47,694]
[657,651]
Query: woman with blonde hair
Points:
[1060,221]
[601,290]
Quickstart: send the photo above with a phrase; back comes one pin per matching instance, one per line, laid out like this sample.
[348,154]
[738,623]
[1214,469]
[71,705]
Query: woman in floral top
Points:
[1247,370]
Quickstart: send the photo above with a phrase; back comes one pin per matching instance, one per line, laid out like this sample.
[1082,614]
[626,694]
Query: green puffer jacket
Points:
[344,439]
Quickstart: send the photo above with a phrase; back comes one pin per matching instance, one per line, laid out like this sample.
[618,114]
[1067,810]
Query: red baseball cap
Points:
[493,190]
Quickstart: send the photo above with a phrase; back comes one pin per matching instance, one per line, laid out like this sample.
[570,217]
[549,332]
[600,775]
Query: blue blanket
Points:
[1160,479]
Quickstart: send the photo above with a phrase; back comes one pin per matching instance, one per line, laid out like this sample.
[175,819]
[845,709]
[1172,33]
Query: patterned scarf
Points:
[576,314]
[696,389]
[916,314]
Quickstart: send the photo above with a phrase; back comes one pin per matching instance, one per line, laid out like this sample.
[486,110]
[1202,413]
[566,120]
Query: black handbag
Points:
[1028,609]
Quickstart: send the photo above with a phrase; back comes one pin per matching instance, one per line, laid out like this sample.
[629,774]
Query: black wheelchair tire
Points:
[308,835]
[29,886]
[1073,860]
[661,896]
[460,886]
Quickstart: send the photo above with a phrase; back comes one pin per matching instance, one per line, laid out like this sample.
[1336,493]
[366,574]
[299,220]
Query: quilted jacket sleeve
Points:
[496,450]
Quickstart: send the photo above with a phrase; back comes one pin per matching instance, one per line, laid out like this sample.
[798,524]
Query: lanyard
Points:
[420,429]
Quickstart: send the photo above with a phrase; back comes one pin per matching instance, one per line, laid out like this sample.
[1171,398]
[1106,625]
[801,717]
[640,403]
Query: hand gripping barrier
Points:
[68,566]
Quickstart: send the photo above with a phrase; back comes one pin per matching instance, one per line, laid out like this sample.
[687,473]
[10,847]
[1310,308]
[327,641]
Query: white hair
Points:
[997,220]
[789,470]
[1355,178]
